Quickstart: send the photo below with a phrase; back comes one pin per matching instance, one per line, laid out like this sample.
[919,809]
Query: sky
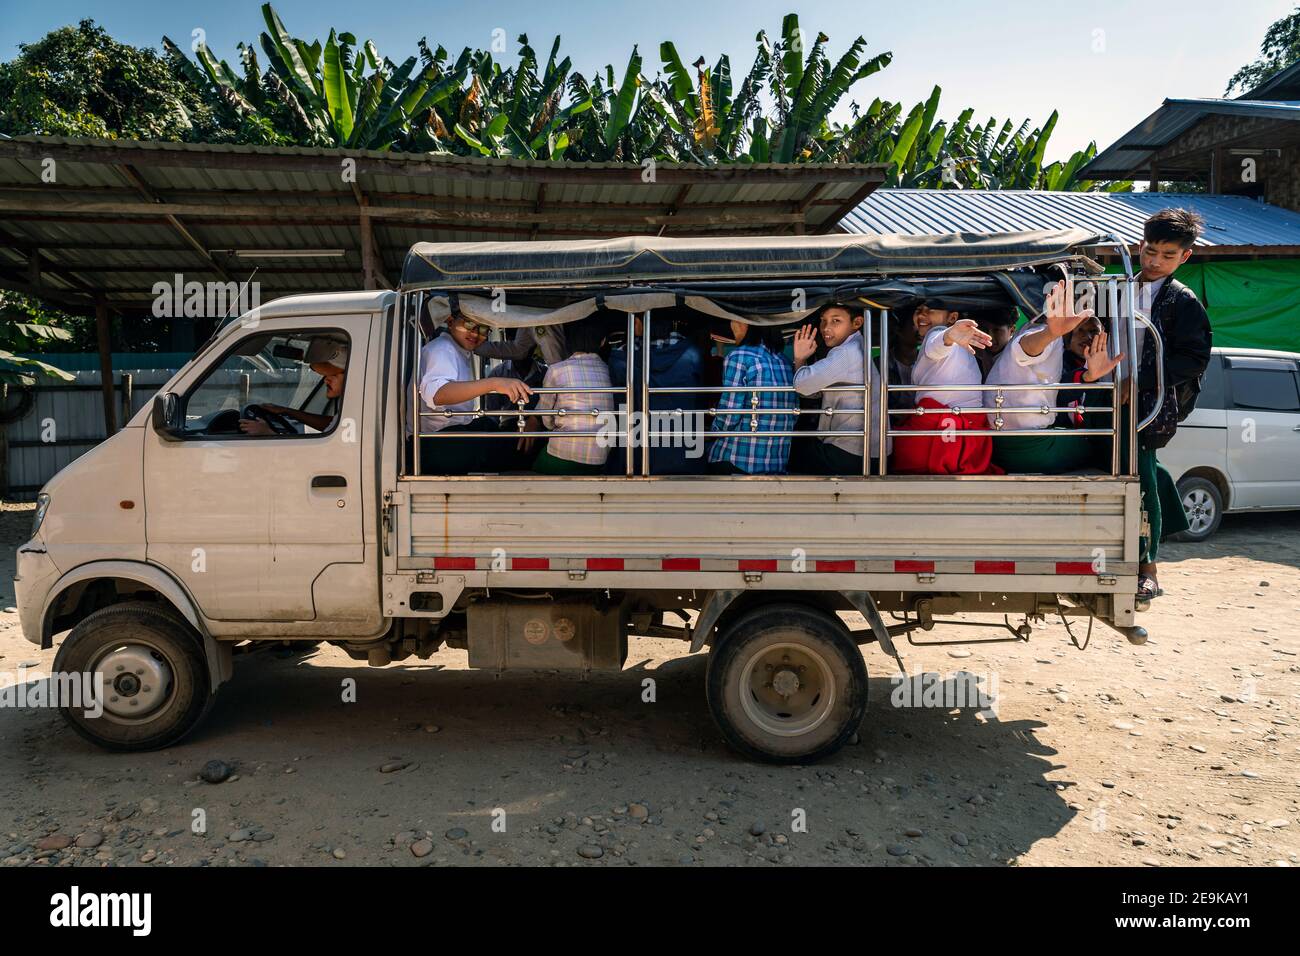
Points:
[1104,64]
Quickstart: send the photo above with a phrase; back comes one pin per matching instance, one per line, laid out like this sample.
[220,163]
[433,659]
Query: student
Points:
[1035,357]
[903,345]
[947,357]
[841,331]
[1184,327]
[1079,347]
[582,367]
[328,358]
[758,360]
[926,316]
[448,384]
[1000,326]
[675,362]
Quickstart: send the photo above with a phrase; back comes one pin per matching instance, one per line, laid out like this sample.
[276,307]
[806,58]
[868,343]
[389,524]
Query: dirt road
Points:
[1180,752]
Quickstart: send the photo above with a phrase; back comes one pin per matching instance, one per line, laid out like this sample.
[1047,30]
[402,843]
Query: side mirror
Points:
[167,416]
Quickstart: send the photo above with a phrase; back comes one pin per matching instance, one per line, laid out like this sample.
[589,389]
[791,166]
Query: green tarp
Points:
[1253,304]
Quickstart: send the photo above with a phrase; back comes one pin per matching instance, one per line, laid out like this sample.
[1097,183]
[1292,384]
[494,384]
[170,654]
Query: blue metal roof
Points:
[1230,221]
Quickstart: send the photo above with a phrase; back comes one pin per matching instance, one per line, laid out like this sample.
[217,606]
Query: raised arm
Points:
[837,368]
[1059,319]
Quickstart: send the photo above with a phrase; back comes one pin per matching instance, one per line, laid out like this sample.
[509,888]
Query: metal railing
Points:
[414,304]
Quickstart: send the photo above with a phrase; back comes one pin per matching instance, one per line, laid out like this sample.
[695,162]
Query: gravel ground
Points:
[1181,752]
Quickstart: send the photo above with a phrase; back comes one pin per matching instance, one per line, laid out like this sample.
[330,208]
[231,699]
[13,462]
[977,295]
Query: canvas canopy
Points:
[757,280]
[658,260]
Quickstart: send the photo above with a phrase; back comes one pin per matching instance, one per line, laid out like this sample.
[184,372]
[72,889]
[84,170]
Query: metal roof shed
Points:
[98,222]
[1235,225]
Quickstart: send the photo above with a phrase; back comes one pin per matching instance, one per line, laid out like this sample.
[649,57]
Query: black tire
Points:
[1203,504]
[817,651]
[169,644]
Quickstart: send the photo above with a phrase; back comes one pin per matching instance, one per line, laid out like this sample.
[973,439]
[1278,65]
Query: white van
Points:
[211,519]
[1239,450]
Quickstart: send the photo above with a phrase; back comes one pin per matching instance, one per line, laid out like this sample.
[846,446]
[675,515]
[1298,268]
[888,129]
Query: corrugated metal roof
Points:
[1284,85]
[1132,152]
[1232,222]
[99,226]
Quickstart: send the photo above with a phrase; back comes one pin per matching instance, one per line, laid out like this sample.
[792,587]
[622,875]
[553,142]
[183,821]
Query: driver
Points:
[329,360]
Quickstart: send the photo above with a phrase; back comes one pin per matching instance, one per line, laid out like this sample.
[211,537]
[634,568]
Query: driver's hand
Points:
[255,426]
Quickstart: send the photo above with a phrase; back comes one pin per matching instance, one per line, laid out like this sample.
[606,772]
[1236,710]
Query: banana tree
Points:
[807,90]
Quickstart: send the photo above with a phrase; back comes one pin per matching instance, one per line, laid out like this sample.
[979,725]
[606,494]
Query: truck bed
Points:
[1074,535]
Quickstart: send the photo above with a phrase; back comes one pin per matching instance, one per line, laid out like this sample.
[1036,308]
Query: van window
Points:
[1212,385]
[1260,387]
[273,384]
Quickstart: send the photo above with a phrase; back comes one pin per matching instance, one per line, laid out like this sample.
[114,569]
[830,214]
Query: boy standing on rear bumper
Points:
[1184,328]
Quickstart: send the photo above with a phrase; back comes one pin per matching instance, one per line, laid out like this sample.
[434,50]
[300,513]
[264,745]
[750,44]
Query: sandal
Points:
[1148,588]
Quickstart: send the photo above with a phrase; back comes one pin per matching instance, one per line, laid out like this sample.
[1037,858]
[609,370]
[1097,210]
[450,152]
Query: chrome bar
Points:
[415,386]
[645,391]
[867,319]
[706,389]
[1160,374]
[993,432]
[628,403]
[840,433]
[883,424]
[1134,371]
[1005,412]
[1117,375]
[1031,387]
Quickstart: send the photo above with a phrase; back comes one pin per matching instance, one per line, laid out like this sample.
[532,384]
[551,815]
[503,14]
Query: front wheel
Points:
[149,674]
[787,684]
[1203,504]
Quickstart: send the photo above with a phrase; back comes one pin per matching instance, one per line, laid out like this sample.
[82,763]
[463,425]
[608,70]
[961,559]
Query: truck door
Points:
[249,505]
[1263,430]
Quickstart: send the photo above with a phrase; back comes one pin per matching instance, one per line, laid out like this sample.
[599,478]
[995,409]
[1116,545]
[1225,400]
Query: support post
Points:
[105,365]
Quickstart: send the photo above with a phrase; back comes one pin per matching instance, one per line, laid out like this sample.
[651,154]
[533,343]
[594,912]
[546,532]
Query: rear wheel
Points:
[1203,505]
[155,685]
[787,684]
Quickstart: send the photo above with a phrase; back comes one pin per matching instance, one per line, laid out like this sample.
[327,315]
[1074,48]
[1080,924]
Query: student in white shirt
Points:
[1035,357]
[841,330]
[946,357]
[447,384]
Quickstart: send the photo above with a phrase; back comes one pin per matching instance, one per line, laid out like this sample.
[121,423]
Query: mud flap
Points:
[866,606]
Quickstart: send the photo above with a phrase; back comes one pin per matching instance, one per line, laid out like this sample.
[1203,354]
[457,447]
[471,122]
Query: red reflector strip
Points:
[530,564]
[914,567]
[995,567]
[835,566]
[681,564]
[753,565]
[453,564]
[1075,567]
[604,564]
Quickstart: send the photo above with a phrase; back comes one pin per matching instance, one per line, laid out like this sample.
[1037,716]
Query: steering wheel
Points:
[277,422]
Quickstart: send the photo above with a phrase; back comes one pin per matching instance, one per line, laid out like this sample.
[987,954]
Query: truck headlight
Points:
[42,506]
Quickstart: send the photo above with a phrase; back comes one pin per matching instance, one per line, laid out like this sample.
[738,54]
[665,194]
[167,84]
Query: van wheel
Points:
[1203,505]
[155,678]
[787,684]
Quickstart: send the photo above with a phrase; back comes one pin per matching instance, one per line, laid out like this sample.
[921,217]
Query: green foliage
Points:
[79,81]
[27,326]
[1280,49]
[285,90]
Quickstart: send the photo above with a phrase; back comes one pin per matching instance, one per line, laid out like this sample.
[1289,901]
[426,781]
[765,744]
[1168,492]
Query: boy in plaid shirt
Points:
[757,361]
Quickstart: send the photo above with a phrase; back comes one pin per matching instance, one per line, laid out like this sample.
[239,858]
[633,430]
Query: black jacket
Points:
[1184,327]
